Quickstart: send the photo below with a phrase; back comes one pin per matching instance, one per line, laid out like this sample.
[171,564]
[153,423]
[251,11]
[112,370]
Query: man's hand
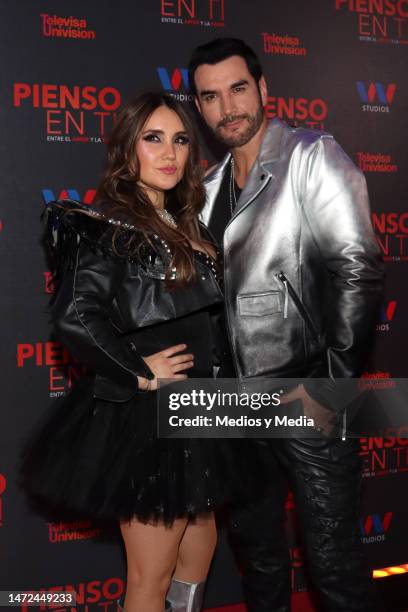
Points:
[167,364]
[324,419]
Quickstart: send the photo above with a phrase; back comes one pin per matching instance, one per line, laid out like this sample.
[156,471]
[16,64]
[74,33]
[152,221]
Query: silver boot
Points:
[185,596]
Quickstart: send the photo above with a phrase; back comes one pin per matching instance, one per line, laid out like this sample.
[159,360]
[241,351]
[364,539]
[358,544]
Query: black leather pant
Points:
[325,478]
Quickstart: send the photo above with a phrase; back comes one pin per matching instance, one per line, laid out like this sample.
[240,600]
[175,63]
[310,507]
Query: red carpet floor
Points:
[300,603]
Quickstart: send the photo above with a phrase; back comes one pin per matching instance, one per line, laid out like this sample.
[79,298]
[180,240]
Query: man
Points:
[303,279]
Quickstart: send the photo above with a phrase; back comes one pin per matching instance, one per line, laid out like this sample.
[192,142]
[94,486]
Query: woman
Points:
[137,300]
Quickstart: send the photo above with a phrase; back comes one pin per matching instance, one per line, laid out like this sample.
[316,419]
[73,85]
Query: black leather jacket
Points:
[102,296]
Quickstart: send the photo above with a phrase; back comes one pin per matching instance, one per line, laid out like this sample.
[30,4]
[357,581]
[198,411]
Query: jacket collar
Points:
[270,150]
[269,153]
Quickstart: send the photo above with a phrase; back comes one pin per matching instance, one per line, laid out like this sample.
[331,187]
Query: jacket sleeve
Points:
[337,208]
[81,315]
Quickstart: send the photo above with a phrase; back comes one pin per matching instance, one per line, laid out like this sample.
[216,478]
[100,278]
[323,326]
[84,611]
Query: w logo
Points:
[387,311]
[173,82]
[376,90]
[375,525]
[71,194]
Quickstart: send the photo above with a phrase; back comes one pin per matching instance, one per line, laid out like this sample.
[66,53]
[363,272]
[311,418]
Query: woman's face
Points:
[162,150]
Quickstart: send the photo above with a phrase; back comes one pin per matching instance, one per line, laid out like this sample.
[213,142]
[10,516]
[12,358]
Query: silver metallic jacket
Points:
[303,272]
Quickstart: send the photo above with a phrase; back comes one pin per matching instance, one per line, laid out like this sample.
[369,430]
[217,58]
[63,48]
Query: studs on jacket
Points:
[110,220]
[210,263]
[163,244]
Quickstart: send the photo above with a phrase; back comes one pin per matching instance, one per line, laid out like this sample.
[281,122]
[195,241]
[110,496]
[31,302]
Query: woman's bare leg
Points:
[196,550]
[151,552]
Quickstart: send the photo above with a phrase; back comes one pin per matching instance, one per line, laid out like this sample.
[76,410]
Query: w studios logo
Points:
[376,92]
[207,13]
[373,528]
[72,194]
[383,21]
[3,484]
[173,81]
[386,316]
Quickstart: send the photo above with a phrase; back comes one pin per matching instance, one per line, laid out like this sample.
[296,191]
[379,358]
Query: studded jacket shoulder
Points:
[104,294]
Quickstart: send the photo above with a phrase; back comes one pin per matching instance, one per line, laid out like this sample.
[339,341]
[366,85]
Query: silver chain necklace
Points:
[166,216]
[232,194]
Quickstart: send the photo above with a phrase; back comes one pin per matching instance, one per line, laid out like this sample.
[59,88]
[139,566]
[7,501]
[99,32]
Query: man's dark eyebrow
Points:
[207,92]
[239,83]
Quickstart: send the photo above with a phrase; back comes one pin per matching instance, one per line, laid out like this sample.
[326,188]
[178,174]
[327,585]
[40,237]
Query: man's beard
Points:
[239,140]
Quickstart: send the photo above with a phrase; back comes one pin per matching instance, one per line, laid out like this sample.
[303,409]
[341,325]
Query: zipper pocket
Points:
[289,291]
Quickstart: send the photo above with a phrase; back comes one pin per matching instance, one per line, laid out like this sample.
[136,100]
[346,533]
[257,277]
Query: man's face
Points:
[230,100]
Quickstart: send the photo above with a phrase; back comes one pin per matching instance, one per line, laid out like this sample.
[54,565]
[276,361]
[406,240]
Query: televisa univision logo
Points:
[376,162]
[72,532]
[276,44]
[54,26]
[376,380]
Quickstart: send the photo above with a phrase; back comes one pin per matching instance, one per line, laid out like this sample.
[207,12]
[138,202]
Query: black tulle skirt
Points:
[102,460]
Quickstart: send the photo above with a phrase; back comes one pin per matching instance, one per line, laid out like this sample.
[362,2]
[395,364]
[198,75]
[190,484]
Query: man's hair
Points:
[221,49]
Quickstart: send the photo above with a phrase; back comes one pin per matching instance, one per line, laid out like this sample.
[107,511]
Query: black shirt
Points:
[222,214]
[219,220]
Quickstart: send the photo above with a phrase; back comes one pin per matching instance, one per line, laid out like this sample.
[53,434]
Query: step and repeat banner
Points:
[334,65]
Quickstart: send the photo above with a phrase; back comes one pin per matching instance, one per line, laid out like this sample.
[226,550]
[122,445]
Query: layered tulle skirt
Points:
[95,459]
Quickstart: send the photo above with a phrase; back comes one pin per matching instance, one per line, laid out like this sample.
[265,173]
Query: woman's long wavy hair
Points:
[122,196]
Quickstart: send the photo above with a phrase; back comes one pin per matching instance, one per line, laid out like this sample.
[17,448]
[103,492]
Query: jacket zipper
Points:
[289,291]
[228,326]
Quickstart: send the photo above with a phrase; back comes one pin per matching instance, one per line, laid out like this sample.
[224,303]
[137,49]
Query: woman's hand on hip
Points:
[170,363]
